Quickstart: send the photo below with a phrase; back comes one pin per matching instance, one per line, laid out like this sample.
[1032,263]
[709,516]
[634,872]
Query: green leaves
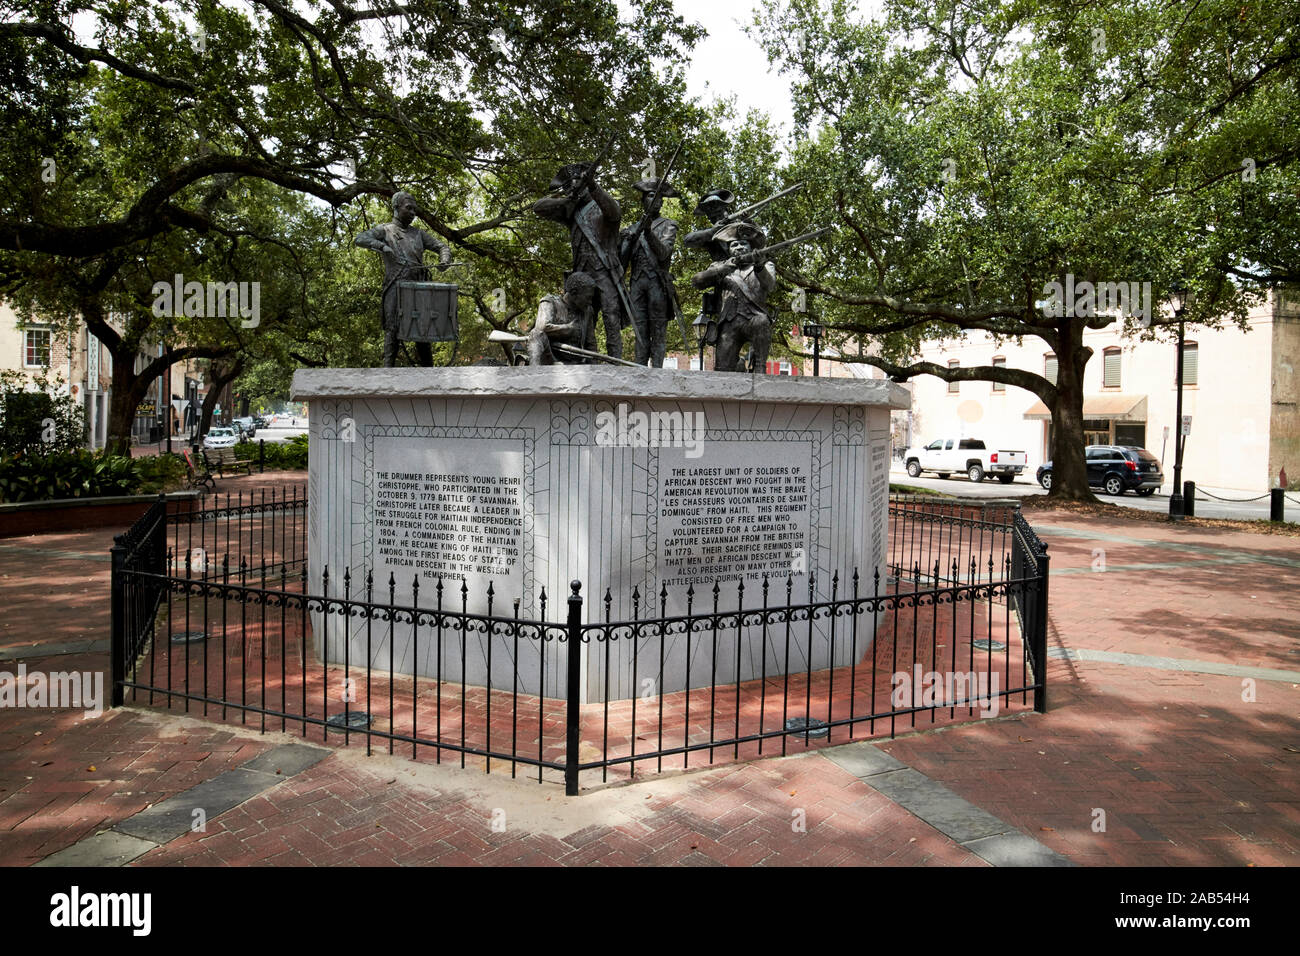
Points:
[85,474]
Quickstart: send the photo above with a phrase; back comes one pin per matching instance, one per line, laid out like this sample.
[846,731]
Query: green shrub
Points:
[291,455]
[159,473]
[87,474]
[66,474]
[37,422]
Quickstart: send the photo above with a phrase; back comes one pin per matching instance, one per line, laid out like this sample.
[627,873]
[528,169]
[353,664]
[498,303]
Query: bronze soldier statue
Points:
[593,218]
[745,281]
[649,249]
[713,205]
[402,246]
[566,320]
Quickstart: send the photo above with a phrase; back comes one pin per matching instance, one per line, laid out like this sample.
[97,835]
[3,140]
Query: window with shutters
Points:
[999,362]
[1110,368]
[1049,367]
[1189,363]
[954,387]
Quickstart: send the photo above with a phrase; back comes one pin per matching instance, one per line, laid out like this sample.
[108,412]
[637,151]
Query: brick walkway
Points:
[1183,767]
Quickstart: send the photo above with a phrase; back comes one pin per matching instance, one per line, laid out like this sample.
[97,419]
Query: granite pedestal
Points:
[644,482]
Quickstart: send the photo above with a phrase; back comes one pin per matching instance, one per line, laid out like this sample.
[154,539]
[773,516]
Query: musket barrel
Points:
[777,247]
[755,206]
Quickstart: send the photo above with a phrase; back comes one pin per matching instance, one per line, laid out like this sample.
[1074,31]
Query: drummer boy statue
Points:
[402,246]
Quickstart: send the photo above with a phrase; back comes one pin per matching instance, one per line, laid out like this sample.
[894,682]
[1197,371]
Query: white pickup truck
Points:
[949,455]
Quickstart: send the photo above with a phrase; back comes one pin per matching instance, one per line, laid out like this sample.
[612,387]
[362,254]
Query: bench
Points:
[198,475]
[222,460]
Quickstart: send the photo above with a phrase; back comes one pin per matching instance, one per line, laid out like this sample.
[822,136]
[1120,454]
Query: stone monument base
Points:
[650,486]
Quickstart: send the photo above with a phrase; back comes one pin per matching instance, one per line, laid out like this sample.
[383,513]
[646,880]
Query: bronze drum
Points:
[427,311]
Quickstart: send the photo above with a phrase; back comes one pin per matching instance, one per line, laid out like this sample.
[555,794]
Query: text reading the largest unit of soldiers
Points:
[453,523]
[733,520]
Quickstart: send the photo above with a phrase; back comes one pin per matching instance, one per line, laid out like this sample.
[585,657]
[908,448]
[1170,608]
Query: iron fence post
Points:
[1276,505]
[117,627]
[160,536]
[1040,634]
[572,729]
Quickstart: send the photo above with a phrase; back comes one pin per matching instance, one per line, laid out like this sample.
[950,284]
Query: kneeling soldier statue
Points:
[565,321]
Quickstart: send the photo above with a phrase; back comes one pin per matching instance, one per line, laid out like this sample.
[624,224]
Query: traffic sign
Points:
[1187,426]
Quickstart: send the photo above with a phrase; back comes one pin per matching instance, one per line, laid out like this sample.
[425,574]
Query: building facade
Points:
[1240,390]
[76,363]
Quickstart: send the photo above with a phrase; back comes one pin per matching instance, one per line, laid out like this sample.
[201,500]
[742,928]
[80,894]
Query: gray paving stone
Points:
[53,649]
[103,849]
[1175,664]
[958,819]
[166,821]
[288,759]
[863,759]
[1015,849]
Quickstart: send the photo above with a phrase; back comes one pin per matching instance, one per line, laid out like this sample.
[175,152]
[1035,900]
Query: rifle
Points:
[497,335]
[648,215]
[740,214]
[767,251]
[589,177]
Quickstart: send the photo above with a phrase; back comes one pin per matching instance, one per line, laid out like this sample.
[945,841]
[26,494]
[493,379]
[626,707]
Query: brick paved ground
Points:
[255,661]
[1185,769]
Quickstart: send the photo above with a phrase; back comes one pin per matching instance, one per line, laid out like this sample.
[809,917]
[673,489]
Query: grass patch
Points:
[1099,509]
[911,490]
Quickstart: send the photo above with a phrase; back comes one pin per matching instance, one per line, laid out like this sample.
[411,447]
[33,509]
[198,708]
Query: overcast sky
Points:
[730,62]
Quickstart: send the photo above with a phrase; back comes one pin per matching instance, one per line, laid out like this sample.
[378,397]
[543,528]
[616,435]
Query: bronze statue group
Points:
[736,284]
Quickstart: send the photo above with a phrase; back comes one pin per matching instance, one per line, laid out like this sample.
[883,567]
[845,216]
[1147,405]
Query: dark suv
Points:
[1116,469]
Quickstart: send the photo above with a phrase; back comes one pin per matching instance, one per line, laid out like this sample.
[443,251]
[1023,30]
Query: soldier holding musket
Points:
[745,280]
[593,218]
[715,205]
[649,249]
[745,284]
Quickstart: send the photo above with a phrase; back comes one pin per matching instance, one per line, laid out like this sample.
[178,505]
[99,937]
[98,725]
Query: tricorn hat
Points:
[724,197]
[648,186]
[741,230]
[567,174]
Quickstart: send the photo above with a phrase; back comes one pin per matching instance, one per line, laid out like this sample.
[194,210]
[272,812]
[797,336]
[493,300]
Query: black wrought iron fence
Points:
[947,540]
[136,588]
[734,670]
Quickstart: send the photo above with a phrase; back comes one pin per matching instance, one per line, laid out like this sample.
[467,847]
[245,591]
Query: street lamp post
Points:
[701,325]
[813,329]
[1178,301]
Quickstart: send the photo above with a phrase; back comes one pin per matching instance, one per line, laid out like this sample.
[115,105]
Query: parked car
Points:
[1116,469]
[220,438]
[261,421]
[948,455]
[246,425]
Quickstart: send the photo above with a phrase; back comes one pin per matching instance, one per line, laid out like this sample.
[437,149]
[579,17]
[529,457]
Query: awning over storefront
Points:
[1121,408]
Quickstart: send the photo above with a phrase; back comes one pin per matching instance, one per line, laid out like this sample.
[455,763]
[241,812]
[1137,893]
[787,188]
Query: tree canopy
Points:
[969,154]
[974,152]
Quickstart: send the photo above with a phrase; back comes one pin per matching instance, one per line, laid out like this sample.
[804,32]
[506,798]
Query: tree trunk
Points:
[1069,469]
[221,375]
[128,392]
